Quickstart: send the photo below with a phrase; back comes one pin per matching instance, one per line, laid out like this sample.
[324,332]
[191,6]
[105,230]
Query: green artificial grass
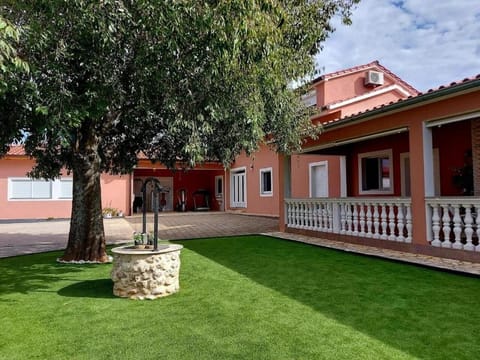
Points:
[250,297]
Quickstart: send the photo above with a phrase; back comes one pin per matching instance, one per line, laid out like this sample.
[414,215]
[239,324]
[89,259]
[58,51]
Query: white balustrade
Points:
[378,218]
[455,222]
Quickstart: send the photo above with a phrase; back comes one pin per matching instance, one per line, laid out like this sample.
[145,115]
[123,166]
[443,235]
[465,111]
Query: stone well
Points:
[146,274]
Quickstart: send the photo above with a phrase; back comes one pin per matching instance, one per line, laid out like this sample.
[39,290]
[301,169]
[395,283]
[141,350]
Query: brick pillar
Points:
[475,127]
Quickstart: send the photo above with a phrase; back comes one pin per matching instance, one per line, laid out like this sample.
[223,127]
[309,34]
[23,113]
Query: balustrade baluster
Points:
[355,220]
[391,222]
[297,215]
[408,220]
[457,227]
[309,224]
[349,219]
[400,223]
[325,217]
[376,222]
[361,216]
[468,228]
[343,219]
[368,214]
[477,223]
[320,217]
[383,216]
[329,207]
[304,216]
[446,226]
[289,214]
[436,226]
[315,216]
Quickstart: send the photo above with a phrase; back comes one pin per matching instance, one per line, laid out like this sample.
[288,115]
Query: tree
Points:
[180,80]
[11,67]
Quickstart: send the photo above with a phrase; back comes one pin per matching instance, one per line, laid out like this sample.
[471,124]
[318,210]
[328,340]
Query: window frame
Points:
[55,189]
[388,153]
[262,171]
[217,179]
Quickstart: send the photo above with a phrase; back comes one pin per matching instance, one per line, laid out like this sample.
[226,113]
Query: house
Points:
[411,171]
[24,198]
[393,168]
[253,182]
[251,186]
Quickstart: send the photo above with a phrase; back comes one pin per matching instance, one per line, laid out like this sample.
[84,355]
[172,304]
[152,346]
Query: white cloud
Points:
[427,43]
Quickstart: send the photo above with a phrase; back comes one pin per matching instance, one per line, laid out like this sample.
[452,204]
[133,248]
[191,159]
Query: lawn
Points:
[250,297]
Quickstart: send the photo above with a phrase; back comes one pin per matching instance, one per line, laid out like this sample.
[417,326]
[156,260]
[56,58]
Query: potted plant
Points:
[109,212]
[138,240]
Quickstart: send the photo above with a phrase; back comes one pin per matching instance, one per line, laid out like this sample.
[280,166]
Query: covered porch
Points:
[409,177]
[198,189]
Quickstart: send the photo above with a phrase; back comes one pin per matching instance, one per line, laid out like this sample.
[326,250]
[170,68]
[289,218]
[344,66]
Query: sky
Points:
[427,43]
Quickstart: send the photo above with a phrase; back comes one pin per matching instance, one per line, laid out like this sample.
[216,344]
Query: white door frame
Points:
[310,173]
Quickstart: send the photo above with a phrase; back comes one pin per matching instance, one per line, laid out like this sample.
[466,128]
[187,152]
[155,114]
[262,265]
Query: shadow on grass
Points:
[100,289]
[424,312]
[38,273]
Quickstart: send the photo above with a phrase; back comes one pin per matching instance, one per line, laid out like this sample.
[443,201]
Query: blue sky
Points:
[427,43]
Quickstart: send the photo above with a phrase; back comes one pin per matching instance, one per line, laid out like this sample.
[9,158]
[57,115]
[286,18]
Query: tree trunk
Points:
[86,240]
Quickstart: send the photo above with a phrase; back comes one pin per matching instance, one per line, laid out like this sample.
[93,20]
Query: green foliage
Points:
[179,80]
[12,68]
[249,297]
[9,59]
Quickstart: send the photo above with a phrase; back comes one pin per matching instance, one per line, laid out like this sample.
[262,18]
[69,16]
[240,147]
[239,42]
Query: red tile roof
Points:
[16,150]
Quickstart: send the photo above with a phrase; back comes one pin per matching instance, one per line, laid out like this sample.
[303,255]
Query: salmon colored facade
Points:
[393,168]
[20,199]
[336,95]
[253,185]
[52,201]
[412,173]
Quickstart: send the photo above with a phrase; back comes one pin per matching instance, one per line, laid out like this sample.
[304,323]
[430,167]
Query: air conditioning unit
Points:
[374,78]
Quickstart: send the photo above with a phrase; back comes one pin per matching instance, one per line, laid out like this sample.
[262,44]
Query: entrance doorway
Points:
[318,175]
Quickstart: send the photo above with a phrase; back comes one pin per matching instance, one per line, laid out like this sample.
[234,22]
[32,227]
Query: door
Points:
[238,195]
[319,179]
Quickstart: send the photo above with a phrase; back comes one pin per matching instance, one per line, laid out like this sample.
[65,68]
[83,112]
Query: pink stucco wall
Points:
[257,204]
[115,193]
[266,158]
[300,181]
[347,86]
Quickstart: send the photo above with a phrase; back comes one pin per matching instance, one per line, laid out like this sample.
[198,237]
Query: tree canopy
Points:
[179,80]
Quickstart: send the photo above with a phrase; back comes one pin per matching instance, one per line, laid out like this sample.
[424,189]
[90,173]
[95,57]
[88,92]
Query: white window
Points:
[66,188]
[238,188]
[34,189]
[266,186]
[376,172]
[218,186]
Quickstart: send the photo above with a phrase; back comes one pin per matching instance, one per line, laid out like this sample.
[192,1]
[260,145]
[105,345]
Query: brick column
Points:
[475,127]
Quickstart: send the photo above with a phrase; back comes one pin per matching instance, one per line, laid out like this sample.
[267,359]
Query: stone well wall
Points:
[146,274]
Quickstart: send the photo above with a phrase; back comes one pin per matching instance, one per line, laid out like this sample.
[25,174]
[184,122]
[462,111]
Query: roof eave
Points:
[408,103]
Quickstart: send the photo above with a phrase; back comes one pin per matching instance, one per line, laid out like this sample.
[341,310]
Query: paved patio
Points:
[18,237]
[174,226]
[32,236]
